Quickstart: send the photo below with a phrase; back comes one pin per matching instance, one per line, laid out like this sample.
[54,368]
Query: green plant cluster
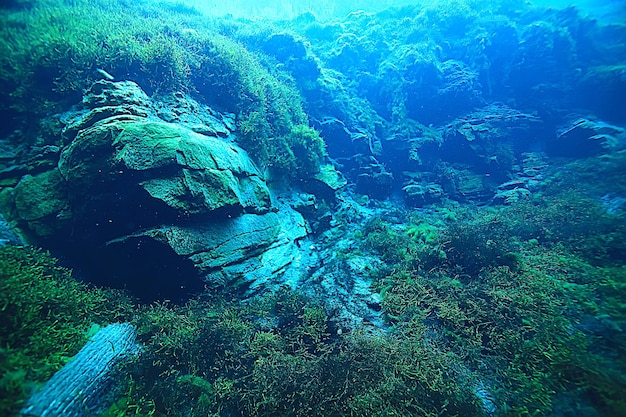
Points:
[525,324]
[414,244]
[273,125]
[51,52]
[526,294]
[280,355]
[433,61]
[45,316]
[521,329]
[488,237]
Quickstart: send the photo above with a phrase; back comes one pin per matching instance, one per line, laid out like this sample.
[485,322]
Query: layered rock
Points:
[583,137]
[148,202]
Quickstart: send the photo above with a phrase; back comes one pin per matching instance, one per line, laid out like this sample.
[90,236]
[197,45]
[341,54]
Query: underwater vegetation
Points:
[53,52]
[415,212]
[527,324]
[47,316]
[507,291]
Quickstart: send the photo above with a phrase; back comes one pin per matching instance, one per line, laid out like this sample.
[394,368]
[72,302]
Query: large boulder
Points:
[246,254]
[153,206]
[187,171]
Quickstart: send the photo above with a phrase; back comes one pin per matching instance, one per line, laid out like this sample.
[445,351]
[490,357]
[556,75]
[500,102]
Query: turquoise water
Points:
[297,208]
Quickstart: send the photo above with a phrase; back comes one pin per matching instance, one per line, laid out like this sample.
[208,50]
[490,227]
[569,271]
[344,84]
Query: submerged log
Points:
[88,382]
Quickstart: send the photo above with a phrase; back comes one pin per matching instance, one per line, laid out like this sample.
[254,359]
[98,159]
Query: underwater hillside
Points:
[294,208]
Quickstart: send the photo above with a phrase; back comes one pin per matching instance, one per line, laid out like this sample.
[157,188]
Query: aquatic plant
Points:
[45,319]
[479,239]
[510,311]
[525,318]
[278,355]
[55,51]
[499,296]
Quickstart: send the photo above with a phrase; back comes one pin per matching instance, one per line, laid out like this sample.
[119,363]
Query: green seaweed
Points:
[529,303]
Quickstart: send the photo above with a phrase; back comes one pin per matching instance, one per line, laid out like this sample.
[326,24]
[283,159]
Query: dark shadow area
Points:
[146,269]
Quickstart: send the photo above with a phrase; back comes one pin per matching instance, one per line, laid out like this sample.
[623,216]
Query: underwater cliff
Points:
[412,208]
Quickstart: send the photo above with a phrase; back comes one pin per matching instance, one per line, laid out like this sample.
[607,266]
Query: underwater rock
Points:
[459,90]
[347,287]
[280,257]
[190,173]
[527,178]
[417,194]
[492,122]
[343,276]
[132,190]
[77,121]
[461,183]
[583,137]
[325,183]
[184,111]
[465,159]
[240,253]
[341,141]
[356,151]
[612,203]
[41,202]
[329,176]
[374,180]
[318,213]
[8,236]
[121,93]
[87,384]
[507,195]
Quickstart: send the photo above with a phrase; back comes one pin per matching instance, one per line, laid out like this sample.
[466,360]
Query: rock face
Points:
[582,137]
[144,202]
[189,172]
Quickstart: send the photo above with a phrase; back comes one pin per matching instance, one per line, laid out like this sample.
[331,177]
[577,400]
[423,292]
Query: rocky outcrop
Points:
[189,172]
[583,137]
[8,236]
[239,252]
[132,191]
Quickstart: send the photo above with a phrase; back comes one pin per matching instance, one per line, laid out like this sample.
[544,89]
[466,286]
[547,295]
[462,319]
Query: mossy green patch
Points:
[52,52]
[44,319]
[278,355]
[531,304]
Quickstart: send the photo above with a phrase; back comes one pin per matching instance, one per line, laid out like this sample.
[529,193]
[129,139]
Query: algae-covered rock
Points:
[420,194]
[185,111]
[155,207]
[41,201]
[325,183]
[87,384]
[108,93]
[189,172]
[584,137]
[332,178]
[39,196]
[214,245]
[8,235]
[245,253]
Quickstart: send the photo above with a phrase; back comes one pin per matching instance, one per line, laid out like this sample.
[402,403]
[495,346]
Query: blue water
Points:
[314,208]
